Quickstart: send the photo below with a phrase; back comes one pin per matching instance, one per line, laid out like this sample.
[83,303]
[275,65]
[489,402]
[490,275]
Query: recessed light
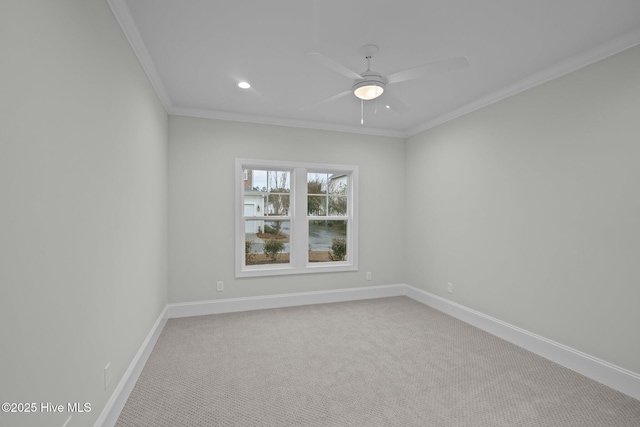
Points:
[244,85]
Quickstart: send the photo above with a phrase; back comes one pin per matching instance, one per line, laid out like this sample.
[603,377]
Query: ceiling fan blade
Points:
[327,100]
[333,65]
[395,103]
[431,68]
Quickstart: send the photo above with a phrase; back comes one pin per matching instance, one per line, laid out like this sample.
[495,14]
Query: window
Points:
[294,218]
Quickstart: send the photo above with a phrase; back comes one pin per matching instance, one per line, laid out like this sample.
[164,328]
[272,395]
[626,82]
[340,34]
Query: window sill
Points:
[283,270]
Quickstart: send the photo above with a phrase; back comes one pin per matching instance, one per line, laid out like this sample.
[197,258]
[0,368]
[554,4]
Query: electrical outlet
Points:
[107,375]
[368,275]
[450,287]
[220,286]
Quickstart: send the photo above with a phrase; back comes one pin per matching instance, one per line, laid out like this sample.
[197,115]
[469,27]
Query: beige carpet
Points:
[382,362]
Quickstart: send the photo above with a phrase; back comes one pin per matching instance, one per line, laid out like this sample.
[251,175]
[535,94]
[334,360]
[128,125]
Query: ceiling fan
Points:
[370,85]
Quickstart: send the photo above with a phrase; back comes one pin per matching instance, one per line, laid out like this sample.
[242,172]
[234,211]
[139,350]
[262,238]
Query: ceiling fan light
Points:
[367,91]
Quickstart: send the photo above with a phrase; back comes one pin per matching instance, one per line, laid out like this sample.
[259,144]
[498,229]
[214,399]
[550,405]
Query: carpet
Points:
[381,362]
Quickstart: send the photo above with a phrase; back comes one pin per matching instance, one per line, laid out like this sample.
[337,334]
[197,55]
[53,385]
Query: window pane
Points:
[317,183]
[317,200]
[266,242]
[337,188]
[338,205]
[317,205]
[327,241]
[267,181]
[266,192]
[278,182]
[278,204]
[327,194]
[338,184]
[253,204]
[258,180]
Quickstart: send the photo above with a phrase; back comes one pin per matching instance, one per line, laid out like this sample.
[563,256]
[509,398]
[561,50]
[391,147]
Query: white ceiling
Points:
[196,51]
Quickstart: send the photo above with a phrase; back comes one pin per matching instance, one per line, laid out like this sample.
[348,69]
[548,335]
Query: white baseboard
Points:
[114,406]
[231,305]
[610,375]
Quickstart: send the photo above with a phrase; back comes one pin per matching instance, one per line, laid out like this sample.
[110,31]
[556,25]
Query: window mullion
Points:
[300,225]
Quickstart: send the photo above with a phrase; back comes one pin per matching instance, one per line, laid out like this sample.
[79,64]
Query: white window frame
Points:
[299,219]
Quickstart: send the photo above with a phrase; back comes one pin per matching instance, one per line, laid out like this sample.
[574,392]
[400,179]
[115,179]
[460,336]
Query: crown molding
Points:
[125,19]
[247,118]
[569,65]
[123,15]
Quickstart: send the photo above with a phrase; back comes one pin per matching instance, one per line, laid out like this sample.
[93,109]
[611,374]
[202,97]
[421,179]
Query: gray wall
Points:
[531,208]
[201,208]
[83,195]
